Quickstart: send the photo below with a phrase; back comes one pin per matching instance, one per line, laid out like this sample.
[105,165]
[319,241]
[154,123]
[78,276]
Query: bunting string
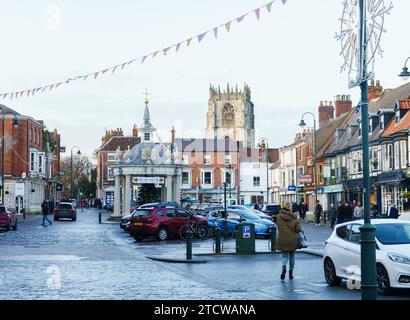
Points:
[165,51]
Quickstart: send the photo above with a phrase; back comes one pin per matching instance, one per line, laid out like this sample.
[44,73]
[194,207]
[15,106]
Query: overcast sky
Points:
[289,58]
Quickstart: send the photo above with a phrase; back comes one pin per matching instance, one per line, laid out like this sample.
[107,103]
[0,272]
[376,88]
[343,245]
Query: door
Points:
[339,249]
[352,258]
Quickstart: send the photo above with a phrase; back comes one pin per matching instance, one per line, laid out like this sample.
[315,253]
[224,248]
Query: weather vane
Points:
[146,94]
[349,38]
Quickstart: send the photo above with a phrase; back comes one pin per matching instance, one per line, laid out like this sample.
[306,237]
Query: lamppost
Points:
[15,125]
[71,170]
[230,180]
[303,124]
[263,145]
[405,74]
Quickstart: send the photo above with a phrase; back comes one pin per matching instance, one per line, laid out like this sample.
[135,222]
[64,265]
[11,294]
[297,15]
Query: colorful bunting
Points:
[165,51]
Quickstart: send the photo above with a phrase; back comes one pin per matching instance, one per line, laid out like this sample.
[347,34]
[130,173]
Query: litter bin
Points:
[245,238]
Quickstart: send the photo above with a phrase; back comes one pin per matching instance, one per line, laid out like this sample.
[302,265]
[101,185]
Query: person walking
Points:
[393,213]
[318,212]
[348,212]
[332,214]
[358,211]
[288,226]
[45,209]
[341,216]
[302,210]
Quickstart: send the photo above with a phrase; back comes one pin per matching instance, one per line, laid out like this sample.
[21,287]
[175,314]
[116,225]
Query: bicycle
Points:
[217,230]
[199,230]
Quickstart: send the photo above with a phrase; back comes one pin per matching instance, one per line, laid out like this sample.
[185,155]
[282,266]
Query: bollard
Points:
[273,239]
[189,244]
[217,242]
[99,217]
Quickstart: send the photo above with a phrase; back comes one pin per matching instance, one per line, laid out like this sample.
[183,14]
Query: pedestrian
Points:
[332,214]
[348,212]
[302,210]
[393,213]
[341,216]
[374,211]
[256,206]
[288,226]
[358,211]
[45,210]
[318,212]
[50,206]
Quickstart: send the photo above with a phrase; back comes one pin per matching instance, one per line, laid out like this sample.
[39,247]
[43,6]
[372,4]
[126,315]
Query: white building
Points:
[284,182]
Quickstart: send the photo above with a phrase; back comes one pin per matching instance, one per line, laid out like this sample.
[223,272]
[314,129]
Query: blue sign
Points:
[292,188]
[246,231]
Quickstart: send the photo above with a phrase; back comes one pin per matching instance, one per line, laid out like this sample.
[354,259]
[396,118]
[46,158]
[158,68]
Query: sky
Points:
[289,58]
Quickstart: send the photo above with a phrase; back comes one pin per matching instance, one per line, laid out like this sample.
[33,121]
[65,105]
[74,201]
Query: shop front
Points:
[393,186]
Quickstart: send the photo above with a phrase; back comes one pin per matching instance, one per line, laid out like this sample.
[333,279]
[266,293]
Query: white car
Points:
[341,258]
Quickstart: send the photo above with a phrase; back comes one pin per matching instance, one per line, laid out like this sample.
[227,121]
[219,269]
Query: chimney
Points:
[112,133]
[375,90]
[343,104]
[135,131]
[326,112]
[173,131]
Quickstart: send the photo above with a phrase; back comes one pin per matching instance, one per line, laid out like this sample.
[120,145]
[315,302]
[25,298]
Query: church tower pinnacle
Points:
[147,129]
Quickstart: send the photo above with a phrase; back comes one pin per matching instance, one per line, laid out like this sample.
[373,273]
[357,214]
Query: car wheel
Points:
[202,231]
[330,273]
[383,281]
[8,227]
[15,227]
[162,234]
[74,219]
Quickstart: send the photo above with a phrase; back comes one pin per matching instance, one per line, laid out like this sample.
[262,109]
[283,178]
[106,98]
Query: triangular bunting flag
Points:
[258,13]
[122,66]
[178,46]
[269,6]
[52,87]
[28,92]
[104,71]
[58,84]
[188,42]
[154,54]
[5,95]
[143,59]
[113,69]
[129,62]
[165,51]
[284,2]
[201,36]
[216,32]
[240,19]
[96,74]
[228,26]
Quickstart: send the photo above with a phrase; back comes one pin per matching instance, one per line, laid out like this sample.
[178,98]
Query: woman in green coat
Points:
[288,226]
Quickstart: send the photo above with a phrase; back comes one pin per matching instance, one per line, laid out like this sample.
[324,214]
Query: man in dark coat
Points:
[302,210]
[341,216]
[332,214]
[45,210]
[318,212]
[348,212]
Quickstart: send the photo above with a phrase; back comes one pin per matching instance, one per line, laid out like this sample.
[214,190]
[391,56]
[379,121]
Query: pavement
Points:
[86,260]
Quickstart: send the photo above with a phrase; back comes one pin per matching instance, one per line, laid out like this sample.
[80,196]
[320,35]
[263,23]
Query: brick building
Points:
[27,165]
[112,142]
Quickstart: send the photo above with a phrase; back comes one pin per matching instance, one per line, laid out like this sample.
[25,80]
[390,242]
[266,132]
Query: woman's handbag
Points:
[302,241]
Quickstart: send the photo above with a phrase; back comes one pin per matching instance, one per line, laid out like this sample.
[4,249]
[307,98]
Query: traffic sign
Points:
[23,175]
[292,188]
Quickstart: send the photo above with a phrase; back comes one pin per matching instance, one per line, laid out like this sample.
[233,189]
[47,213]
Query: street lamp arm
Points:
[407,60]
[310,113]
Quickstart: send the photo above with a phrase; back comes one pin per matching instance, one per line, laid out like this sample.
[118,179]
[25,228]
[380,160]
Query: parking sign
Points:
[246,231]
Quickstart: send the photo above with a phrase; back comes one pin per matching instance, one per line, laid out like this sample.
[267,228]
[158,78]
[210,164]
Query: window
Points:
[110,174]
[228,159]
[403,154]
[147,136]
[182,214]
[109,197]
[32,161]
[160,213]
[397,155]
[111,157]
[171,213]
[186,178]
[185,160]
[207,178]
[256,181]
[343,233]
[207,159]
[355,233]
[31,134]
[233,216]
[390,156]
[40,164]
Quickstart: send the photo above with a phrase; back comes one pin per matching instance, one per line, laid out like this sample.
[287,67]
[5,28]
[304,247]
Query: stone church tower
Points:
[231,115]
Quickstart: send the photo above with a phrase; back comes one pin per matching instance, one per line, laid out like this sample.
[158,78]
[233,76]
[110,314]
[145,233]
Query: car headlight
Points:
[398,258]
[259,225]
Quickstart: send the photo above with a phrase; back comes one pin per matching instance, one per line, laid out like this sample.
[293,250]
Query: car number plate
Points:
[138,224]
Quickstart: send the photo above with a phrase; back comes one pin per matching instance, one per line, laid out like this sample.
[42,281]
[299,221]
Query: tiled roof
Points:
[254,155]
[405,104]
[122,142]
[395,127]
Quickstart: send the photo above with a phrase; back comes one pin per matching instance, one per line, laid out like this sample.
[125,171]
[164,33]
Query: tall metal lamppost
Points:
[71,170]
[303,124]
[5,111]
[362,26]
[405,74]
[263,145]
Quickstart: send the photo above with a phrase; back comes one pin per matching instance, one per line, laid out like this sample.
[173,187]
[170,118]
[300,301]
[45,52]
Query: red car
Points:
[8,220]
[160,222]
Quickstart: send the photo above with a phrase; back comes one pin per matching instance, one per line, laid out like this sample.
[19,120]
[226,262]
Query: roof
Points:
[122,142]
[405,104]
[254,155]
[395,127]
[390,97]
[208,145]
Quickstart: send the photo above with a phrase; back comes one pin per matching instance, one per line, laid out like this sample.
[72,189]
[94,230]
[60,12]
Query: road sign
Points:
[246,231]
[23,175]
[62,149]
[292,188]
[20,188]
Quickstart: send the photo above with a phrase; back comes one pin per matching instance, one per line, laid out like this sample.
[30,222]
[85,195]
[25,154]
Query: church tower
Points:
[231,115]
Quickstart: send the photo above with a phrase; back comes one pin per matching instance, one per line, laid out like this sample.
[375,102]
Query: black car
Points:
[271,209]
[65,210]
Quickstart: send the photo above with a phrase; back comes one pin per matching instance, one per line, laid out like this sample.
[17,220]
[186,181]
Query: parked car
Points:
[74,202]
[272,210]
[341,258]
[125,220]
[160,222]
[263,227]
[187,202]
[252,210]
[8,219]
[65,210]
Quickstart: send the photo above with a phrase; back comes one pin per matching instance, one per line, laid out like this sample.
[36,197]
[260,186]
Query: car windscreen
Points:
[142,212]
[65,206]
[2,209]
[249,215]
[273,208]
[394,233]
